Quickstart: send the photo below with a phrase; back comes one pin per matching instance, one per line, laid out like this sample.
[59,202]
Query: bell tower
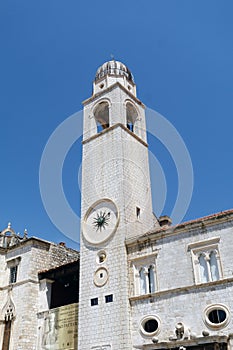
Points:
[116,204]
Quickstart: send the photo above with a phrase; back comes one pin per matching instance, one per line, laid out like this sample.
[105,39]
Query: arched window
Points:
[214,266]
[206,260]
[142,281]
[131,116]
[151,278]
[203,269]
[101,114]
[9,317]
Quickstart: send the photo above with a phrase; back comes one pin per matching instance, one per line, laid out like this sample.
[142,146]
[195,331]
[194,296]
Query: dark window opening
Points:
[130,126]
[13,274]
[64,291]
[151,326]
[138,210]
[109,298]
[94,301]
[217,316]
[7,335]
[65,286]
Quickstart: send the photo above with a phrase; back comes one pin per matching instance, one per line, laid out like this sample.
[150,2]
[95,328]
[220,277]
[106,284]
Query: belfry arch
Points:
[131,116]
[101,115]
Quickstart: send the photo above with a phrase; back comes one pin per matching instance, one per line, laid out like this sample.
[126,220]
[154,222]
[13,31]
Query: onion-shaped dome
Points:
[114,68]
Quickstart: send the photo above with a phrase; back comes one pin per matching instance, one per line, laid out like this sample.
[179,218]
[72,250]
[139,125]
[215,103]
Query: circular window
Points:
[150,325]
[216,316]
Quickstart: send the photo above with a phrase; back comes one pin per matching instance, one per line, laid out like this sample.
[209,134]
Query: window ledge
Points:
[189,288]
[184,343]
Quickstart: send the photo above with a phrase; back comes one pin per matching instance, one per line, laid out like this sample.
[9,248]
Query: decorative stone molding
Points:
[8,311]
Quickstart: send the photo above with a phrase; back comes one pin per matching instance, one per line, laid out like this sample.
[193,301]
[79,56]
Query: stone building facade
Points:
[144,284]
[182,276]
[23,293]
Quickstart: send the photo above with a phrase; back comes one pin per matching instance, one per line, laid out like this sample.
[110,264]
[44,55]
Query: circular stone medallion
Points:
[100,221]
[101,277]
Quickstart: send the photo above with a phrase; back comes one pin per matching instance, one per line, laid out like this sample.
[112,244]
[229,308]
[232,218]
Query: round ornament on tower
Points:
[100,222]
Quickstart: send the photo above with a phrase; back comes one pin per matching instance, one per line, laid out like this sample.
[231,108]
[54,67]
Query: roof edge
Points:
[166,231]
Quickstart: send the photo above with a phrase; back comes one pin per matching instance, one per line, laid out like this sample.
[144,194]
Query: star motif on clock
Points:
[101,221]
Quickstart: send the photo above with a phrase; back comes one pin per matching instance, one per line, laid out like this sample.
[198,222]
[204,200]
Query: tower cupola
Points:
[115,68]
[111,72]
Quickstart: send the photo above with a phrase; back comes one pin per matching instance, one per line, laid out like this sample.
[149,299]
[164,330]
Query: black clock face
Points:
[100,221]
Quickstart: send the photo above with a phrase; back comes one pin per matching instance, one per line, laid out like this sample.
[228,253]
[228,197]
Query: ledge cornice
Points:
[181,290]
[113,86]
[184,343]
[105,131]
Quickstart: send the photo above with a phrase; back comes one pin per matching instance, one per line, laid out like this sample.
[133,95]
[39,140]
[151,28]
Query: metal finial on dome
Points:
[9,225]
[25,233]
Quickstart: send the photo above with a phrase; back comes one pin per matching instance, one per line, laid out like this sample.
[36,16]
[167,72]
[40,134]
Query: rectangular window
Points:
[206,260]
[94,301]
[138,212]
[13,274]
[109,298]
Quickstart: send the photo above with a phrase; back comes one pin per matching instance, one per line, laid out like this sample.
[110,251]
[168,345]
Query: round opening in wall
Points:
[150,325]
[216,316]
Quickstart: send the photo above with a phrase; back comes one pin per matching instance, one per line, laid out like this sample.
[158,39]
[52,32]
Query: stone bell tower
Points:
[116,204]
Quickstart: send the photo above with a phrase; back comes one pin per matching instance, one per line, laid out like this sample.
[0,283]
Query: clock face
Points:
[100,221]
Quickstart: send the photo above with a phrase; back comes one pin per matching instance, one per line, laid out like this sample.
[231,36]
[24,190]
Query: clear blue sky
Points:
[181,55]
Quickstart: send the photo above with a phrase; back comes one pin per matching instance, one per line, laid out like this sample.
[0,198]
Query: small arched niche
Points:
[101,114]
[131,116]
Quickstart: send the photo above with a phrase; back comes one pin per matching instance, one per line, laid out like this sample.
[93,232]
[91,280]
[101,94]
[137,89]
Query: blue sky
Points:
[181,55]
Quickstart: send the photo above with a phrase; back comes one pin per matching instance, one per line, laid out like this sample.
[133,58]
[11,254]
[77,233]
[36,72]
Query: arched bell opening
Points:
[131,116]
[101,114]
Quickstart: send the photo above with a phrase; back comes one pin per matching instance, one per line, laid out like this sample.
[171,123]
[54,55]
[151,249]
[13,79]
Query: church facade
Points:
[144,284]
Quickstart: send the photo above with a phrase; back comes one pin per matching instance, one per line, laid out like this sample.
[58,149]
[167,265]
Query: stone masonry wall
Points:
[34,256]
[178,297]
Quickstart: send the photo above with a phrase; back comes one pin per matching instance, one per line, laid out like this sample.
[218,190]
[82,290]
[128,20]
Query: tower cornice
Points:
[110,88]
[112,128]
